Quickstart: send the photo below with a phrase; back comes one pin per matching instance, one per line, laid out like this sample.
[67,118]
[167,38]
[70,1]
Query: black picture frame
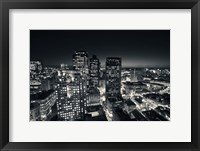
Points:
[5,5]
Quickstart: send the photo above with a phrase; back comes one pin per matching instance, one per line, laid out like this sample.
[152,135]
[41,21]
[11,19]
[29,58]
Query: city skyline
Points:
[115,85]
[137,48]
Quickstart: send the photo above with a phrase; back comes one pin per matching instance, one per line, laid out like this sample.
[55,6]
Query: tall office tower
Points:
[76,106]
[93,97]
[94,68]
[62,96]
[113,77]
[80,62]
[133,76]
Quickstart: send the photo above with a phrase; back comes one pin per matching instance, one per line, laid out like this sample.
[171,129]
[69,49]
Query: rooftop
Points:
[42,95]
[129,102]
[122,116]
[133,83]
[138,116]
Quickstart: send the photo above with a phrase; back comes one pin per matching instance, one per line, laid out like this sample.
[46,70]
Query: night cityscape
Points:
[99,75]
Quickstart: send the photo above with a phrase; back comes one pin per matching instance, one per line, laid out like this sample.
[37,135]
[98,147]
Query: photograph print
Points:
[99,75]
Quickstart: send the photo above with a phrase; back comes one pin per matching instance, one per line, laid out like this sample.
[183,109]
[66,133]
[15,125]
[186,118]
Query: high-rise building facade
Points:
[62,96]
[46,100]
[94,68]
[113,77]
[93,97]
[80,62]
[133,76]
[76,103]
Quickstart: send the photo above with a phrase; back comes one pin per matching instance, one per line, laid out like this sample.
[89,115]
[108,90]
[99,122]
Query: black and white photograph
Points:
[100,75]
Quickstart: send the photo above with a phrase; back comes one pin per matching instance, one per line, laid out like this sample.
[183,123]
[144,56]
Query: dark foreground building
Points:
[113,77]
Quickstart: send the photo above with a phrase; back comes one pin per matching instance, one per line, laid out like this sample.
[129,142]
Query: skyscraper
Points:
[80,62]
[113,77]
[62,96]
[71,104]
[93,97]
[94,68]
[78,104]
[133,76]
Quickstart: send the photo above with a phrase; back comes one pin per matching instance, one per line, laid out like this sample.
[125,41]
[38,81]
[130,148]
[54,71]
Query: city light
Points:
[85,91]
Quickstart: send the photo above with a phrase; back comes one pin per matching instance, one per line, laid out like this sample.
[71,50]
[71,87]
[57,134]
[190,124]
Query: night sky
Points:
[137,48]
